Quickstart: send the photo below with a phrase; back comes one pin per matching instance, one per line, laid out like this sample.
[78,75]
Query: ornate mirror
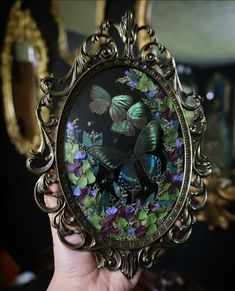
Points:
[24,59]
[72,27]
[126,162]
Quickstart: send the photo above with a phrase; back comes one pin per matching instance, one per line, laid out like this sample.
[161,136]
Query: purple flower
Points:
[130,209]
[75,168]
[77,191]
[81,155]
[178,177]
[94,192]
[111,210]
[70,126]
[151,92]
[178,143]
[126,73]
[132,84]
[161,93]
[170,123]
[131,230]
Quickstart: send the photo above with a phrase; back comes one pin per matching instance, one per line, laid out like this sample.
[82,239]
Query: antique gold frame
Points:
[64,53]
[126,256]
[21,26]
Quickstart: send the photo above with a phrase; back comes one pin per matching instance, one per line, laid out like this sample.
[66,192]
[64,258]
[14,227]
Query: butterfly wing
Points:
[118,107]
[148,138]
[123,127]
[151,165]
[109,157]
[128,178]
[101,100]
[88,142]
[136,115]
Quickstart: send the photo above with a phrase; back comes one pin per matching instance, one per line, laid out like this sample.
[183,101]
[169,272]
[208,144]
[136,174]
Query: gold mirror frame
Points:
[20,26]
[63,46]
[220,189]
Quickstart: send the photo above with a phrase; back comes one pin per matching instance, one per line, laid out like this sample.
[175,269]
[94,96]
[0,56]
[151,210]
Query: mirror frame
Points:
[20,26]
[63,45]
[46,161]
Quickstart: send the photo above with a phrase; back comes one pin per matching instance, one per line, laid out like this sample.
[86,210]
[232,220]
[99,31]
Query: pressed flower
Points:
[70,126]
[77,191]
[151,92]
[80,155]
[132,84]
[178,143]
[111,210]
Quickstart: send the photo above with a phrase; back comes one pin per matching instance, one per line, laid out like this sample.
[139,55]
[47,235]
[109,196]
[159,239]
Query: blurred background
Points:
[41,37]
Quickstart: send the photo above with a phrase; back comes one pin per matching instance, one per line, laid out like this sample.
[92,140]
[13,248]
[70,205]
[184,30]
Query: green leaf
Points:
[89,201]
[151,229]
[85,166]
[75,148]
[82,182]
[122,223]
[164,197]
[68,147]
[95,221]
[142,215]
[90,177]
[175,195]
[161,213]
[73,178]
[152,218]
[145,84]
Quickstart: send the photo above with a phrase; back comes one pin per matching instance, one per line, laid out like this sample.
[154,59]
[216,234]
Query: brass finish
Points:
[20,26]
[221,194]
[126,256]
[142,15]
[64,52]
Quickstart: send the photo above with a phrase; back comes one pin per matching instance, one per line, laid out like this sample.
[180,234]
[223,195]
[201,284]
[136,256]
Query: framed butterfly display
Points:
[127,163]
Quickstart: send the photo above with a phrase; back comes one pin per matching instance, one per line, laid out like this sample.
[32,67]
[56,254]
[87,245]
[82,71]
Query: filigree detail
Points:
[157,60]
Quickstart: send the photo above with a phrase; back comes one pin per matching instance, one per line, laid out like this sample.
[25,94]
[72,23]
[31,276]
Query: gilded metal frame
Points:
[64,52]
[20,26]
[48,160]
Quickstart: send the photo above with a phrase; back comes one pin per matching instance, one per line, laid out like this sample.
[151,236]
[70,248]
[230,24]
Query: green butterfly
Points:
[135,118]
[136,166]
[102,102]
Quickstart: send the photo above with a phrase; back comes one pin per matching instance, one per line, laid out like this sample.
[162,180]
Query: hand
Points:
[78,271]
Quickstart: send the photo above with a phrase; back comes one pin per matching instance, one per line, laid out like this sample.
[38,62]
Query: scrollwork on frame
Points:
[122,255]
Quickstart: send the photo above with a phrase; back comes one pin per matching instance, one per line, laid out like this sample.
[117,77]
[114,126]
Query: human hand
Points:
[76,270]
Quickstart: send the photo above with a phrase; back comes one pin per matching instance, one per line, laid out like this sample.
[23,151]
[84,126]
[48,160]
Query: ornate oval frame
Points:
[155,60]
[20,26]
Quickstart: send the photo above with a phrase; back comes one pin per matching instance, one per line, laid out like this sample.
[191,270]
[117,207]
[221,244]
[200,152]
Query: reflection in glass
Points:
[25,88]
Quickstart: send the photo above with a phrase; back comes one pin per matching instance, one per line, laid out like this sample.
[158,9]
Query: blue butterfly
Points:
[135,165]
